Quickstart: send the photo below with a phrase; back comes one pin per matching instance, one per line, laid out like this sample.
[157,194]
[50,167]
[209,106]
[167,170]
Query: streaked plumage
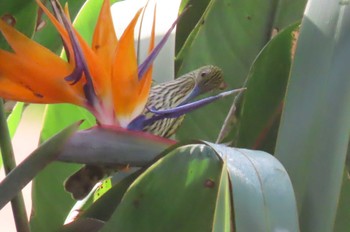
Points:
[179,91]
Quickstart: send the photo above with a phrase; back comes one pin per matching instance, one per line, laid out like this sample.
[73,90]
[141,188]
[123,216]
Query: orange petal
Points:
[44,81]
[27,48]
[13,91]
[35,70]
[91,59]
[100,80]
[60,28]
[105,41]
[125,82]
[146,80]
[100,77]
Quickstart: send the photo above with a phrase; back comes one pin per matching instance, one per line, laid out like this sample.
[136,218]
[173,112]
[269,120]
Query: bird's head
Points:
[209,78]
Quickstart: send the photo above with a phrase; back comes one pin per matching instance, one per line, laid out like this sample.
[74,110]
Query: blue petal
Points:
[80,62]
[149,60]
[194,93]
[185,108]
[140,122]
[57,14]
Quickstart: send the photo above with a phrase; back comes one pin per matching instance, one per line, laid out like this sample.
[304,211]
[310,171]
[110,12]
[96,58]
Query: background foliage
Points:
[296,107]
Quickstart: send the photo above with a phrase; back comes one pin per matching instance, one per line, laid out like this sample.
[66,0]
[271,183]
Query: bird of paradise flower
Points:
[104,78]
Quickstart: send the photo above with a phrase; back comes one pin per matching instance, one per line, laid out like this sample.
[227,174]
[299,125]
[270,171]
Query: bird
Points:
[162,96]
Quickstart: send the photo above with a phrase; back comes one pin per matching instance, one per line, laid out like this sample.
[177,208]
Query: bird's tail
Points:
[82,182]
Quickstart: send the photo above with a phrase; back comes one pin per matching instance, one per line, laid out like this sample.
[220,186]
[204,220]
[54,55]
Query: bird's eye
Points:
[203,74]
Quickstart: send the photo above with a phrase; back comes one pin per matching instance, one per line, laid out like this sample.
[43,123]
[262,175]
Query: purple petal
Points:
[194,93]
[185,108]
[80,62]
[140,122]
[58,16]
[151,57]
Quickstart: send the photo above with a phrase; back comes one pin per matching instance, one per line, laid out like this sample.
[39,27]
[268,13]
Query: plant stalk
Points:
[18,206]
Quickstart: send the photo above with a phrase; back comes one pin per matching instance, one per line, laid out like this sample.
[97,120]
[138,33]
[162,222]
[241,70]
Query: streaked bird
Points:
[162,96]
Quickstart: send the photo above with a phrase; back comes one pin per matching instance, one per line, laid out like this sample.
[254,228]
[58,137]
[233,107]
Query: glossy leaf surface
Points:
[230,34]
[262,104]
[262,193]
[314,132]
[145,205]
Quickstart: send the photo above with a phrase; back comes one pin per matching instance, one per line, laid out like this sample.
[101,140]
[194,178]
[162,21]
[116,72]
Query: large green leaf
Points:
[230,35]
[189,20]
[50,203]
[223,210]
[61,115]
[169,195]
[314,133]
[342,222]
[104,207]
[258,180]
[266,86]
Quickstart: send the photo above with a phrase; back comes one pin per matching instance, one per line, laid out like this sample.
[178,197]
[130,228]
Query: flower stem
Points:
[18,206]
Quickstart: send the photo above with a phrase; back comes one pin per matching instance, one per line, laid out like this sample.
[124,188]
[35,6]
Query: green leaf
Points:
[21,14]
[159,199]
[13,121]
[14,118]
[286,13]
[230,35]
[314,132]
[86,225]
[61,115]
[189,20]
[105,186]
[8,159]
[50,203]
[104,207]
[32,165]
[188,175]
[258,180]
[223,212]
[342,222]
[266,86]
